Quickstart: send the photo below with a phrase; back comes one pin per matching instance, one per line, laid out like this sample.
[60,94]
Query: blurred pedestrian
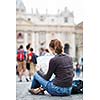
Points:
[78,71]
[21,63]
[81,63]
[32,60]
[27,52]
[46,52]
[41,52]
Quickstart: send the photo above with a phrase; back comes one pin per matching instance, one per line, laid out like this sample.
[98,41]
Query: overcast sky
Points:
[53,5]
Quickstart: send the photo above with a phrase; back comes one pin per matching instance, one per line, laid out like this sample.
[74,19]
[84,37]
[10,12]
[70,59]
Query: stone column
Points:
[72,49]
[25,40]
[61,36]
[37,45]
[29,38]
[33,41]
[69,38]
[48,39]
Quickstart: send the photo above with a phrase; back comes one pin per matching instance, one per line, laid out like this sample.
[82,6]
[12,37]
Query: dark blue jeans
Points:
[49,86]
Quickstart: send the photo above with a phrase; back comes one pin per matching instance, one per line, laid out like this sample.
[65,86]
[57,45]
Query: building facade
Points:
[79,40]
[38,29]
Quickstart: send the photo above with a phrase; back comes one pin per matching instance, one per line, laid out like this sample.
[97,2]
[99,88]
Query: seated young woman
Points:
[62,67]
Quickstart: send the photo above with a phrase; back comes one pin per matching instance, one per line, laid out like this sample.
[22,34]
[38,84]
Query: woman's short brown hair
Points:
[56,45]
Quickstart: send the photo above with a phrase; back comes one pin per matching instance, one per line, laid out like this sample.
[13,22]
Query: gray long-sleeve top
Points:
[62,66]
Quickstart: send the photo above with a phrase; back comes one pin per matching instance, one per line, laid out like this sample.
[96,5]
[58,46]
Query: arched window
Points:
[29,19]
[65,19]
[22,10]
[52,19]
[42,18]
[17,9]
[66,48]
[20,36]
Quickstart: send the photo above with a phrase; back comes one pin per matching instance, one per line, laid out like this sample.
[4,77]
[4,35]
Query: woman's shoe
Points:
[20,80]
[36,92]
[30,78]
[27,80]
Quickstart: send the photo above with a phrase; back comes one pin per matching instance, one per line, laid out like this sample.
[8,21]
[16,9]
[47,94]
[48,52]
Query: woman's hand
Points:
[38,68]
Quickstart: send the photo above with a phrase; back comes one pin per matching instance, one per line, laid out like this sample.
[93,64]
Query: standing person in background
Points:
[47,53]
[78,71]
[32,61]
[27,52]
[61,65]
[21,63]
[81,63]
[42,52]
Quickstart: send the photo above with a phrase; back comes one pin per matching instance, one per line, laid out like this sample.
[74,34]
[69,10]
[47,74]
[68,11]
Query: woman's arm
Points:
[52,66]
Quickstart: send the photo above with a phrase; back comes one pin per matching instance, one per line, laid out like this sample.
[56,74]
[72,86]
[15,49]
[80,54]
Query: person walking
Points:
[61,65]
[32,61]
[21,63]
[78,71]
[27,52]
[41,52]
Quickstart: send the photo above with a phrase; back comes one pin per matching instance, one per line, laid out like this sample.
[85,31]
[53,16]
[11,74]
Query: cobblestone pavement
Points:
[23,94]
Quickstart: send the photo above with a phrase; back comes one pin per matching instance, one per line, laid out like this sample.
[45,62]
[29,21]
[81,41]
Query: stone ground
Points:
[23,94]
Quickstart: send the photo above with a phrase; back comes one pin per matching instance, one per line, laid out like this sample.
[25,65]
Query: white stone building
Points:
[38,29]
[79,40]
